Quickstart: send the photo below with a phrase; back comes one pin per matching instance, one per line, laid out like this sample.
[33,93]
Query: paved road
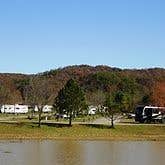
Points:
[105,121]
[101,120]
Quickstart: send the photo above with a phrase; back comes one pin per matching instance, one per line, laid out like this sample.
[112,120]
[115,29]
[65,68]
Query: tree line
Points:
[123,88]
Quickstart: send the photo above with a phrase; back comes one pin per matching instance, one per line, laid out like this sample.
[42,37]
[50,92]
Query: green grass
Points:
[27,131]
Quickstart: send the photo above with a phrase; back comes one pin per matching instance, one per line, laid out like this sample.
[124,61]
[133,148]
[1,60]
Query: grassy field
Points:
[28,131]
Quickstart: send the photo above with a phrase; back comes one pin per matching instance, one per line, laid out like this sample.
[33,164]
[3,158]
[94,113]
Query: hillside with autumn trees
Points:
[143,86]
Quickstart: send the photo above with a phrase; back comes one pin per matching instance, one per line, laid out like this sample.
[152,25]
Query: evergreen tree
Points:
[71,99]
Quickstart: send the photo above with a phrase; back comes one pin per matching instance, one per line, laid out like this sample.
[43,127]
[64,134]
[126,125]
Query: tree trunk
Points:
[39,116]
[0,108]
[70,120]
[112,121]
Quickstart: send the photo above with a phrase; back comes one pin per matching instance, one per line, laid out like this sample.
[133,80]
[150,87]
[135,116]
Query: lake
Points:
[81,153]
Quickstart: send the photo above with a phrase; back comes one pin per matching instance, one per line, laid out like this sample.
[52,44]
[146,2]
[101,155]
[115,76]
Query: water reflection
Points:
[69,152]
[81,153]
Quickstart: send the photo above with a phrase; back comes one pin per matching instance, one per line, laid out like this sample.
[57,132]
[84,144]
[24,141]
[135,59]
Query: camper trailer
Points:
[92,110]
[7,109]
[46,108]
[148,114]
[13,109]
[21,108]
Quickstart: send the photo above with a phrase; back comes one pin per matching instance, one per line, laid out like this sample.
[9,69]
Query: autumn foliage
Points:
[158,94]
[143,86]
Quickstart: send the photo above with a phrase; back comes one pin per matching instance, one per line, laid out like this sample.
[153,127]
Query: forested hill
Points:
[145,86]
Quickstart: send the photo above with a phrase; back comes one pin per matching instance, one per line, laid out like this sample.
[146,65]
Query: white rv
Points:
[92,110]
[17,108]
[21,108]
[7,108]
[46,108]
[149,114]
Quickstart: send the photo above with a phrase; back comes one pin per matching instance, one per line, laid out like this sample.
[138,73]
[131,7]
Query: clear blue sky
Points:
[38,35]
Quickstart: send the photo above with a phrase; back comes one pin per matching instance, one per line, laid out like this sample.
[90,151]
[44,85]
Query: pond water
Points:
[81,153]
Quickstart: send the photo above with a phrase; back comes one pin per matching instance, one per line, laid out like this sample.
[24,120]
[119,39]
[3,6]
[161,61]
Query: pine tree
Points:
[71,99]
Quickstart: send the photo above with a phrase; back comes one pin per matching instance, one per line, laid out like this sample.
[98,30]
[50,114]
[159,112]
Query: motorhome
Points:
[148,114]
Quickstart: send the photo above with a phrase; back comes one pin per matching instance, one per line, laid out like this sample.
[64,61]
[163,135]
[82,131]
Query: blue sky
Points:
[38,35]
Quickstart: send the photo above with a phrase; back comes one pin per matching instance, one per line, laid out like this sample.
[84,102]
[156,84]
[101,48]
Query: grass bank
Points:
[28,131]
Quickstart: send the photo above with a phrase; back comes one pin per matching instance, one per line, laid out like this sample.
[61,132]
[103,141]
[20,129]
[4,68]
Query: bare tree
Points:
[112,109]
[96,98]
[39,94]
[4,95]
[22,85]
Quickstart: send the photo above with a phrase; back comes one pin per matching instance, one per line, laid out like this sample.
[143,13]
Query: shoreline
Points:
[85,139]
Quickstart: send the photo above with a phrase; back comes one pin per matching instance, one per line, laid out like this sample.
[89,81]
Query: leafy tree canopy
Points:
[70,98]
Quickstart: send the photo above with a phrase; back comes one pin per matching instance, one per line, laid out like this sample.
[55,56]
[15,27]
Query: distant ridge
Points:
[84,74]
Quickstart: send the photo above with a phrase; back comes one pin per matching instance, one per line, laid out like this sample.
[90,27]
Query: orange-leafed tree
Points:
[158,94]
